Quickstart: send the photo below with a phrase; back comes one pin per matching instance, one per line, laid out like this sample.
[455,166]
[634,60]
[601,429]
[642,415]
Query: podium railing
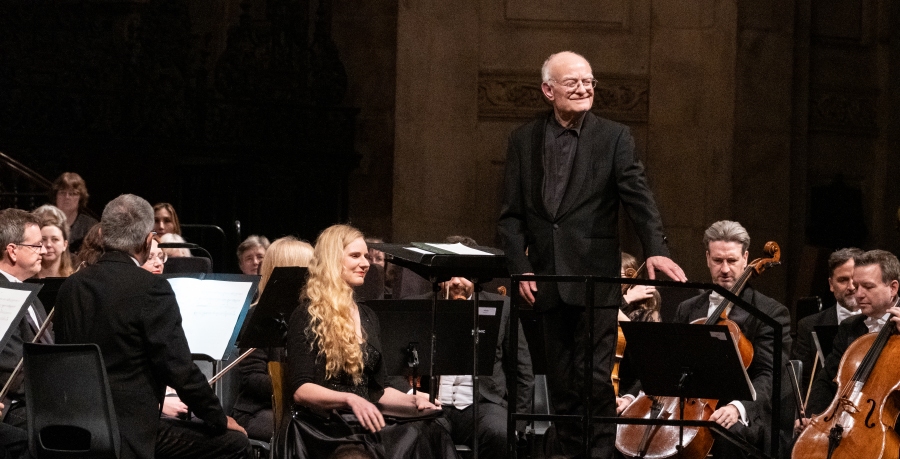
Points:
[588,418]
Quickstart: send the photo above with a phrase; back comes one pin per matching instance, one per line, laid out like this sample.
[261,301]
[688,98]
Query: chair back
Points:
[276,374]
[77,419]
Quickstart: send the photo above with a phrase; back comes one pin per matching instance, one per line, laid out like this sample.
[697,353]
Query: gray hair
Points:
[727,231]
[890,267]
[251,242]
[545,69]
[12,226]
[51,214]
[838,258]
[125,223]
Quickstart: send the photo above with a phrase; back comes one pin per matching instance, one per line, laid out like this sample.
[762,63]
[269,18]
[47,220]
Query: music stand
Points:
[50,290]
[14,301]
[405,322]
[433,261]
[267,324]
[687,361]
[823,337]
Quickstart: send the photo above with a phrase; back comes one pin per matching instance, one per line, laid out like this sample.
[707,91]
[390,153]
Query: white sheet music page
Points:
[459,249]
[11,301]
[209,312]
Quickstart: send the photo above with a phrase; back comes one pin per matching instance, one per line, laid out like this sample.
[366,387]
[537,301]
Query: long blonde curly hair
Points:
[331,304]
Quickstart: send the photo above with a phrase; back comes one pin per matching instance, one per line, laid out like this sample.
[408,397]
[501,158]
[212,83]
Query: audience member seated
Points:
[165,220]
[91,249]
[156,260]
[172,237]
[253,407]
[134,318]
[69,193]
[334,366]
[20,238]
[251,253]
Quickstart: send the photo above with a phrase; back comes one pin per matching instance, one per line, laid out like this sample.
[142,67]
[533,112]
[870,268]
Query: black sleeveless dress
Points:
[312,434]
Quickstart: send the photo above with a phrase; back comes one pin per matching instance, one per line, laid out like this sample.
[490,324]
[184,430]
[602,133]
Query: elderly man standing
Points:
[567,172]
[134,318]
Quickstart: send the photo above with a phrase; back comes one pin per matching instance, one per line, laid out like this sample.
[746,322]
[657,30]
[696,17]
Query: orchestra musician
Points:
[566,174]
[23,250]
[132,315]
[876,274]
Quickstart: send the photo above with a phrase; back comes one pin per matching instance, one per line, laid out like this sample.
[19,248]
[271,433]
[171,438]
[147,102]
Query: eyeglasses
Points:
[70,193]
[162,257]
[34,247]
[572,84]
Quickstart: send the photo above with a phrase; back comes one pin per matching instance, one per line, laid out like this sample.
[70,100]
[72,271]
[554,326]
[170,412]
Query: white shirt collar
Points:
[875,324]
[844,313]
[10,277]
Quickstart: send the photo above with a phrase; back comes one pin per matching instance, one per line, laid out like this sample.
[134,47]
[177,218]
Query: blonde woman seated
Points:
[335,370]
[253,407]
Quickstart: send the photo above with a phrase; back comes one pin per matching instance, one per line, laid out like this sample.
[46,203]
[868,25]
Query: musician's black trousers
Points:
[565,331]
[176,439]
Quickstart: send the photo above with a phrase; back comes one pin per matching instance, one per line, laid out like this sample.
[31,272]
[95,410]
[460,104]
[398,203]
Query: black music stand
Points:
[823,338]
[687,361]
[405,327]
[438,265]
[50,290]
[267,324]
[12,311]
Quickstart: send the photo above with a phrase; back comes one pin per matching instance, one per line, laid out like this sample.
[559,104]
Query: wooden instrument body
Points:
[620,352]
[663,440]
[868,432]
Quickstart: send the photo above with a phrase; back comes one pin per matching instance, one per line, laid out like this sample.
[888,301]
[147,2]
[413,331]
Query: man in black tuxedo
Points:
[727,244]
[840,281]
[877,277]
[567,172]
[20,237]
[134,318]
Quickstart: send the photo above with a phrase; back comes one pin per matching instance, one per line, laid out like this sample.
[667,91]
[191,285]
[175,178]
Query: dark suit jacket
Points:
[759,412]
[824,388]
[804,349]
[493,389]
[24,332]
[134,318]
[583,236]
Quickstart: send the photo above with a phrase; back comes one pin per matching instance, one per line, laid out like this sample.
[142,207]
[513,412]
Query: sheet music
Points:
[416,249]
[459,249]
[209,312]
[11,301]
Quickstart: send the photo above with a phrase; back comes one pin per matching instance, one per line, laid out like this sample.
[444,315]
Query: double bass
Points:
[656,441]
[859,422]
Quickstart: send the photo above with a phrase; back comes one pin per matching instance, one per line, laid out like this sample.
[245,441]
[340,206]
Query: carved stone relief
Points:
[611,13]
[517,95]
[843,111]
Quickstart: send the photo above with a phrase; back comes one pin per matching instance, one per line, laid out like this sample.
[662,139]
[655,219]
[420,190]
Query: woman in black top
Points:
[334,367]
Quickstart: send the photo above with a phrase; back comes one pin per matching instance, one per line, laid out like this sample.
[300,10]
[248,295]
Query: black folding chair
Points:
[69,405]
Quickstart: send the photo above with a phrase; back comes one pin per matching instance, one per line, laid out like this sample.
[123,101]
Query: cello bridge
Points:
[849,406]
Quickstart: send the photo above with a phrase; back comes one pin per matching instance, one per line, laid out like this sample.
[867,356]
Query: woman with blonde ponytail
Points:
[334,367]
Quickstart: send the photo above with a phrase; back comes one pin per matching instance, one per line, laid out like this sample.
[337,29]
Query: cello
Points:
[630,273]
[859,422]
[656,441]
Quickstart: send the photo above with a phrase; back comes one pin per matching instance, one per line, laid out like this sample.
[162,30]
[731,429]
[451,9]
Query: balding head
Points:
[568,83]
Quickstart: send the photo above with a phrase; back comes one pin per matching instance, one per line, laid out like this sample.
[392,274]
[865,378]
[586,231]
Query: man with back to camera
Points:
[132,315]
[840,281]
[20,236]
[566,174]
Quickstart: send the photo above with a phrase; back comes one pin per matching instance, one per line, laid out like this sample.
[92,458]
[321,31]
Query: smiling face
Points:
[459,288]
[52,238]
[726,262]
[873,296]
[354,263]
[568,69]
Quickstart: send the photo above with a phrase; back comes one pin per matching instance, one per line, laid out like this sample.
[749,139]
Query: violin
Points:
[662,441]
[630,273]
[859,422]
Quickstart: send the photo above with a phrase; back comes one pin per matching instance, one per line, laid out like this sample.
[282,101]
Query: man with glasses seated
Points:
[20,237]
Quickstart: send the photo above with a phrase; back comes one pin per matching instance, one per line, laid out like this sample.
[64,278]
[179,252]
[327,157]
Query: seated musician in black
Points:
[727,245]
[877,277]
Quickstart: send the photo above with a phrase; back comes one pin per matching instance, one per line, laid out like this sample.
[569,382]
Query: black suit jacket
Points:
[23,332]
[824,387]
[759,412]
[582,238]
[804,349]
[134,318]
